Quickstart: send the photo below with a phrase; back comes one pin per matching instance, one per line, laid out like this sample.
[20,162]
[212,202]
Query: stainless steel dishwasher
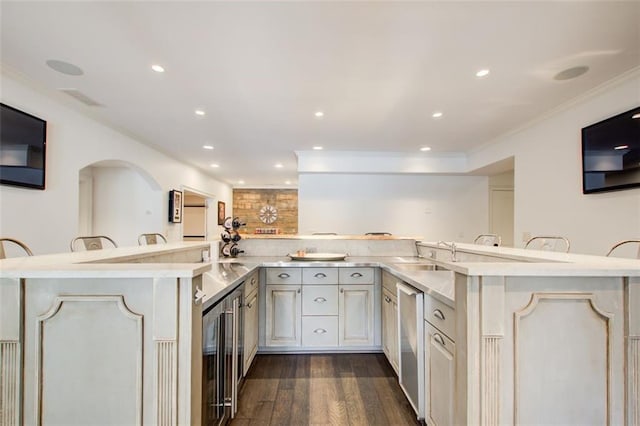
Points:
[411,345]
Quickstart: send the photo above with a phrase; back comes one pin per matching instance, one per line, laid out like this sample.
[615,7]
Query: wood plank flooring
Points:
[322,389]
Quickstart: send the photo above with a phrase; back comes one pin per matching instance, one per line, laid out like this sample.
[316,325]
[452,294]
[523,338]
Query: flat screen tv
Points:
[22,148]
[611,153]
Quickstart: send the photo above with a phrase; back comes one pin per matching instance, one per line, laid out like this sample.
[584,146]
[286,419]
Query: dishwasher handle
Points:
[409,291]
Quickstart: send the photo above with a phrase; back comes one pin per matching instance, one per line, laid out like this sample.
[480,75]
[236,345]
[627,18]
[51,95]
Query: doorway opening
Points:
[195,219]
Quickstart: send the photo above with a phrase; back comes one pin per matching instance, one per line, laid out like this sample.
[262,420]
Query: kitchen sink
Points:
[416,267]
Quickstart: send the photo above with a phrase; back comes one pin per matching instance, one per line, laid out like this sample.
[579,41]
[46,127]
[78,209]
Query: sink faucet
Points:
[452,247]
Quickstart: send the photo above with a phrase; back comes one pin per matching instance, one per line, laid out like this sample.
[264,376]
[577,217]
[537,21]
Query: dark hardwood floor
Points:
[322,389]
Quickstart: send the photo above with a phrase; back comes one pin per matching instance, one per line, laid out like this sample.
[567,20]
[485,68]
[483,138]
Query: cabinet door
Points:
[283,315]
[390,328]
[439,372]
[356,315]
[250,329]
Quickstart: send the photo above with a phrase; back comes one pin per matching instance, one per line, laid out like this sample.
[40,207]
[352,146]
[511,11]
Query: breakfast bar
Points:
[509,335]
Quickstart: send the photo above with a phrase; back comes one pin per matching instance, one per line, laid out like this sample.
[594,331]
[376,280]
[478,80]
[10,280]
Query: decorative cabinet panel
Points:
[356,315]
[251,319]
[283,315]
[439,371]
[390,327]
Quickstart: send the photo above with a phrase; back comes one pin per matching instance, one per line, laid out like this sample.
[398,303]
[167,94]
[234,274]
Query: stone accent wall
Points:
[248,202]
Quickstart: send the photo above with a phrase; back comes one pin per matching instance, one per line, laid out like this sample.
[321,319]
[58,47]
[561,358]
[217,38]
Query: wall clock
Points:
[268,214]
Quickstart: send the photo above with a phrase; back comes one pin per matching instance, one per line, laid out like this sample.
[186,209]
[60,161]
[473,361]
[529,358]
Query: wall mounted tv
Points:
[22,148]
[611,153]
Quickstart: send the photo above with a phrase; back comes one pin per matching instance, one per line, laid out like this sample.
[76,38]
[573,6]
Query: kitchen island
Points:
[539,337]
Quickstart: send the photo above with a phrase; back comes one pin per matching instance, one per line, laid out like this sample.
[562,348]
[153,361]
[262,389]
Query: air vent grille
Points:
[79,96]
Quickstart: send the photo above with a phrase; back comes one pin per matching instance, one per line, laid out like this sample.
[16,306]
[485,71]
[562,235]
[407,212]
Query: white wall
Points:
[548,185]
[433,207]
[47,220]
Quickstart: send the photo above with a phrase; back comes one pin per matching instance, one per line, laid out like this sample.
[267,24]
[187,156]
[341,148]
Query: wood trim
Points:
[10,374]
[528,310]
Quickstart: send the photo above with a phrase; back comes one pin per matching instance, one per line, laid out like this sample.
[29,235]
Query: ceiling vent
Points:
[78,95]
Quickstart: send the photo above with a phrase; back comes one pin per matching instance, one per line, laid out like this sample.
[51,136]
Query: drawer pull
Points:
[253,281]
[320,275]
[356,275]
[284,275]
[438,338]
[320,299]
[320,331]
[251,304]
[387,299]
[438,314]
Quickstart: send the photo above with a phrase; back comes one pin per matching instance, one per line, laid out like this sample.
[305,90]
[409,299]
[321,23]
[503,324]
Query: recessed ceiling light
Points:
[436,114]
[621,147]
[64,67]
[278,165]
[319,114]
[317,148]
[482,73]
[157,68]
[570,73]
[636,116]
[215,166]
[207,147]
[287,182]
[200,112]
[241,182]
[425,148]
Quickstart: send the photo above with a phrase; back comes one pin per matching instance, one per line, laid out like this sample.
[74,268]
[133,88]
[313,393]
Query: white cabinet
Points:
[390,327]
[356,315]
[283,315]
[251,320]
[439,362]
[390,319]
[321,308]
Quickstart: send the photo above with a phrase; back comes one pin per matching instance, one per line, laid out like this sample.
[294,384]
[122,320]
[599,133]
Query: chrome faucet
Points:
[452,247]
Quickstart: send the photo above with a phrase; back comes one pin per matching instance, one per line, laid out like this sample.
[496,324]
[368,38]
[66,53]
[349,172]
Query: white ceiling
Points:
[260,70]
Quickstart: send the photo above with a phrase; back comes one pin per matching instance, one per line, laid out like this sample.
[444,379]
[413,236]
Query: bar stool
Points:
[93,242]
[623,247]
[153,238]
[13,243]
[488,240]
[549,243]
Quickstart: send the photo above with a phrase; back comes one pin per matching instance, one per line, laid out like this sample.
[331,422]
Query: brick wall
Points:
[248,202]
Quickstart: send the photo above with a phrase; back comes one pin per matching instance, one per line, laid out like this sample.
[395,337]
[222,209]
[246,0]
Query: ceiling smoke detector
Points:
[571,73]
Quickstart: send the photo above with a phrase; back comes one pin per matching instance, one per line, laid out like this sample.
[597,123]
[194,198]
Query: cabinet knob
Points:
[438,338]
[298,291]
[283,275]
[320,299]
[356,275]
[320,275]
[253,281]
[387,299]
[319,331]
[342,290]
[438,314]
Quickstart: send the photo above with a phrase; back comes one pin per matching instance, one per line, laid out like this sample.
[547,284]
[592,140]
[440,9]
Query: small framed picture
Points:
[175,206]
[221,213]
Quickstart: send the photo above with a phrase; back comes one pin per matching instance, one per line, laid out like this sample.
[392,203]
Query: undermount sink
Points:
[418,267]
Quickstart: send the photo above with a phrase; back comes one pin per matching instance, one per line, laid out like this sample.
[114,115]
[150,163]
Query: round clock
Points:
[268,214]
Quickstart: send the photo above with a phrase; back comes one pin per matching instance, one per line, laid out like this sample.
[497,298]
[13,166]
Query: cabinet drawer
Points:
[319,300]
[251,284]
[441,315]
[319,276]
[389,281]
[356,275]
[320,331]
[284,276]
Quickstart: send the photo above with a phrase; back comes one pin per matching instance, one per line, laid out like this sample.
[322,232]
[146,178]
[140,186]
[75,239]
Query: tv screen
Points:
[22,148]
[611,153]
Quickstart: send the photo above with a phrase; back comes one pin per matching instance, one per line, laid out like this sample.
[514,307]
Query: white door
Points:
[356,315]
[284,319]
[501,214]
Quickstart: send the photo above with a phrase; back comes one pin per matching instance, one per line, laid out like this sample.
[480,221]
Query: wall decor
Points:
[175,206]
[221,213]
